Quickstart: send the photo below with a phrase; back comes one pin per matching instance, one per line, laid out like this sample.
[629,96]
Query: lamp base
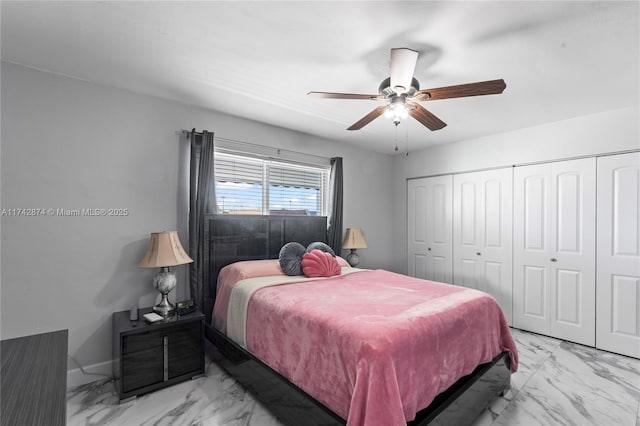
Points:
[353,258]
[164,308]
[164,282]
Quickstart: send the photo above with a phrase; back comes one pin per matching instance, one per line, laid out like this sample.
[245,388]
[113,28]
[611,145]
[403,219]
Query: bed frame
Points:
[235,238]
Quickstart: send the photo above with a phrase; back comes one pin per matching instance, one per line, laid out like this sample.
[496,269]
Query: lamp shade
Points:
[164,250]
[353,239]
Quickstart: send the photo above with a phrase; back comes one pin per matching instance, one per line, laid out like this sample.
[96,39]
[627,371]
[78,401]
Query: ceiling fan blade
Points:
[403,65]
[491,87]
[426,118]
[369,117]
[330,95]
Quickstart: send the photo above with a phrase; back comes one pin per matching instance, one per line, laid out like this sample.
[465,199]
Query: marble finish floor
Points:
[558,383]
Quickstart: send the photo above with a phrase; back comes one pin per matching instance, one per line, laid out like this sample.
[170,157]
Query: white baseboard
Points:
[76,377]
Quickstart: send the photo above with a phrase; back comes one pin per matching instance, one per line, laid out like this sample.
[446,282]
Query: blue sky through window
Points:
[234,197]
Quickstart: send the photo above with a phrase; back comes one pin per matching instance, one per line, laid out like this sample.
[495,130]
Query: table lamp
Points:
[353,240]
[164,251]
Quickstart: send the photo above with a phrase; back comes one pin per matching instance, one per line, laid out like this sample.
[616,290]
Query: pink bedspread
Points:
[375,346]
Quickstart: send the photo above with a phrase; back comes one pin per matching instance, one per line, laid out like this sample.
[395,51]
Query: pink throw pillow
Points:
[318,263]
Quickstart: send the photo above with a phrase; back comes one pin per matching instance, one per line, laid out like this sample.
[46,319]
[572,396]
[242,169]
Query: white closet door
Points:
[495,224]
[531,248]
[483,233]
[573,250]
[417,228]
[466,236]
[429,232]
[618,279]
[554,249]
[439,216]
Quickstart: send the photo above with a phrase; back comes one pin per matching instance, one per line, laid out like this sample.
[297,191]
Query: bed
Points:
[435,354]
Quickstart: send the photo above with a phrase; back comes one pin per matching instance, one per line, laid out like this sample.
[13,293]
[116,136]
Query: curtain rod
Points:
[187,134]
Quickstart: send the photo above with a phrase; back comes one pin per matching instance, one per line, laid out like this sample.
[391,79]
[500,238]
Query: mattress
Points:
[373,346]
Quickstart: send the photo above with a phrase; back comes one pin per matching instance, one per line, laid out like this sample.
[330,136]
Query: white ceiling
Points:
[258,60]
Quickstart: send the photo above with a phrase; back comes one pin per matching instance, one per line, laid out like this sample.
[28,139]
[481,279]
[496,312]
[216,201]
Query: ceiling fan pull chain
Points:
[406,140]
[396,137]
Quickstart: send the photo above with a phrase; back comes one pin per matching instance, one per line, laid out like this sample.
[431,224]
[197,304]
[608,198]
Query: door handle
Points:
[165,357]
[553,259]
[429,248]
[478,253]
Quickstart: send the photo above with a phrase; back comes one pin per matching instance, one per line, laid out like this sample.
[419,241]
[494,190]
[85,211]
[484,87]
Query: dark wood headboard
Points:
[235,238]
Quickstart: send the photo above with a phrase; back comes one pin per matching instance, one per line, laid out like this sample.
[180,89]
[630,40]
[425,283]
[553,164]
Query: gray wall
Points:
[606,132]
[68,144]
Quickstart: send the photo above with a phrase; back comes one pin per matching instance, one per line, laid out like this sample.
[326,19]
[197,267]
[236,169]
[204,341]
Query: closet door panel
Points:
[567,296]
[496,229]
[493,280]
[416,228]
[468,235]
[440,229]
[532,207]
[618,277]
[441,268]
[531,309]
[568,207]
[535,286]
[419,266]
[441,217]
[429,228]
[483,233]
[572,256]
[467,275]
[493,214]
[626,296]
[466,191]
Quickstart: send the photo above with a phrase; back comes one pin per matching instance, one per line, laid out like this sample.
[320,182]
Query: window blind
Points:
[247,185]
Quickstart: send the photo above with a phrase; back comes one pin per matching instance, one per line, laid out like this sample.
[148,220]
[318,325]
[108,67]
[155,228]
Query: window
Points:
[249,185]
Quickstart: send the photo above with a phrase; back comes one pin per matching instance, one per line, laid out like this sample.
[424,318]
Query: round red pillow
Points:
[317,263]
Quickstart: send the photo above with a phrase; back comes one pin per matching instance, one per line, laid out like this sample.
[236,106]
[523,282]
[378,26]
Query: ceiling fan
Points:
[402,90]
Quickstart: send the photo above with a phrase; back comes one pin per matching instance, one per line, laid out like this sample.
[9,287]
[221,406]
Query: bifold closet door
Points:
[531,247]
[618,279]
[482,231]
[554,249]
[429,228]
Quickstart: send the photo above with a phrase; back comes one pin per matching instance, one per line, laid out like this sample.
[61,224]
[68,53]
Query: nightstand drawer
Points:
[185,350]
[142,341]
[142,368]
[186,334]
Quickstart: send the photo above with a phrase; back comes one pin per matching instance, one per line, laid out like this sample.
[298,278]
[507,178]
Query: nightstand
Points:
[149,356]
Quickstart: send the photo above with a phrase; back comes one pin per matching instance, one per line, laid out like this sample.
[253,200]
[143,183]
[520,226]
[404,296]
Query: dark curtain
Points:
[202,200]
[334,231]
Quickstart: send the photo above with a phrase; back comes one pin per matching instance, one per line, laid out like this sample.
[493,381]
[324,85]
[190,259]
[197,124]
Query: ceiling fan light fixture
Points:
[397,110]
[397,102]
[397,114]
